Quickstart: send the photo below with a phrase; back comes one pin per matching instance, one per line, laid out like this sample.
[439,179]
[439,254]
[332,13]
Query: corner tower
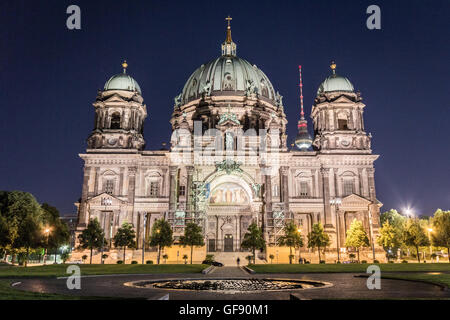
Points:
[337,115]
[119,114]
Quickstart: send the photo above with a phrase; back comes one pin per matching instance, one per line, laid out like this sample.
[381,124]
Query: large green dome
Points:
[227,74]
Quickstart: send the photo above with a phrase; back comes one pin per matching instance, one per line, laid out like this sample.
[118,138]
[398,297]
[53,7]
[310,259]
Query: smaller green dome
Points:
[335,82]
[122,81]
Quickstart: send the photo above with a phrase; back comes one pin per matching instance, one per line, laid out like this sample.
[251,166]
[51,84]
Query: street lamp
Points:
[143,237]
[430,230]
[336,202]
[47,233]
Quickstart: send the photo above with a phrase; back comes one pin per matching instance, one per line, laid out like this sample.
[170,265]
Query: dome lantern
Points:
[229,47]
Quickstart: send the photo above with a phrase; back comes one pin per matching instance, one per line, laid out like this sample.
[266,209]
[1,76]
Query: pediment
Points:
[355,201]
[343,99]
[115,98]
[99,200]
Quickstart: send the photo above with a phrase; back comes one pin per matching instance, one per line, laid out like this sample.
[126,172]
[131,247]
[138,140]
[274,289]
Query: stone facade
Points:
[228,164]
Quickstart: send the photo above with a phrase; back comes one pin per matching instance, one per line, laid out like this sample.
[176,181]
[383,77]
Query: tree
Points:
[441,230]
[29,235]
[125,237]
[59,234]
[271,257]
[415,236]
[161,236]
[317,238]
[253,239]
[291,238]
[4,234]
[390,238]
[165,257]
[356,236]
[92,237]
[395,219]
[185,257]
[22,214]
[192,237]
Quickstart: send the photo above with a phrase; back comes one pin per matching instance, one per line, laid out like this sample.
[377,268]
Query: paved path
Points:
[229,272]
[345,286]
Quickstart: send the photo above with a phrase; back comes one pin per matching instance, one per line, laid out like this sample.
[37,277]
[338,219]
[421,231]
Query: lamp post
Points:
[371,232]
[106,202]
[336,202]
[47,232]
[143,237]
[430,230]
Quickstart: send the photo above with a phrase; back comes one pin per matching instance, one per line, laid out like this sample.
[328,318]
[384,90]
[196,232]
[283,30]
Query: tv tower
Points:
[303,140]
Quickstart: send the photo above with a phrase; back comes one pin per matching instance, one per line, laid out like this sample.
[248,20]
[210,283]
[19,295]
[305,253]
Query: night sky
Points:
[49,77]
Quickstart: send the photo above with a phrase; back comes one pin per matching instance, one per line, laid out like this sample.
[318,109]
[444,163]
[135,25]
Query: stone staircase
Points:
[229,258]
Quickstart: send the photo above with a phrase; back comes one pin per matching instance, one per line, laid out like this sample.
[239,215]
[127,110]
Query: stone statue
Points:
[250,88]
[229,141]
[279,99]
[207,89]
[177,101]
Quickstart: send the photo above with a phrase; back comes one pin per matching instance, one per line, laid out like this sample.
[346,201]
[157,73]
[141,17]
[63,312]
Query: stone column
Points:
[97,177]
[267,201]
[131,184]
[172,188]
[82,216]
[131,190]
[361,182]
[190,173]
[373,207]
[285,187]
[326,196]
[121,181]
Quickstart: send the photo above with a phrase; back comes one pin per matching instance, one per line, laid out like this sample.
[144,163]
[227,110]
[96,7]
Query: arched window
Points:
[342,121]
[115,121]
[348,186]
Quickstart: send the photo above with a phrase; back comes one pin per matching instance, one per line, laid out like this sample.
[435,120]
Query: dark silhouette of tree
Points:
[192,237]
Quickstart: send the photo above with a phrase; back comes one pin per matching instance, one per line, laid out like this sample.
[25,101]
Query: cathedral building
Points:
[229,163]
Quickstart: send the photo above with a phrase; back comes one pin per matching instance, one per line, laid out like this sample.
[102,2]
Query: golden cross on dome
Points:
[228,19]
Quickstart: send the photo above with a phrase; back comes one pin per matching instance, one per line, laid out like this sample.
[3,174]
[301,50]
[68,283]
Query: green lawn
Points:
[385,267]
[59,270]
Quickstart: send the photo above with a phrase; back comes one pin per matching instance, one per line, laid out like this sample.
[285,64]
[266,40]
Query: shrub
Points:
[404,261]
[105,256]
[119,262]
[391,261]
[338,262]
[209,258]
[134,262]
[149,262]
[307,262]
[376,261]
[84,257]
[322,262]
[365,261]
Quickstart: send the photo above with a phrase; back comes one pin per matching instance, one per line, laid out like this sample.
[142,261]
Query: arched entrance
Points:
[228,209]
[228,243]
